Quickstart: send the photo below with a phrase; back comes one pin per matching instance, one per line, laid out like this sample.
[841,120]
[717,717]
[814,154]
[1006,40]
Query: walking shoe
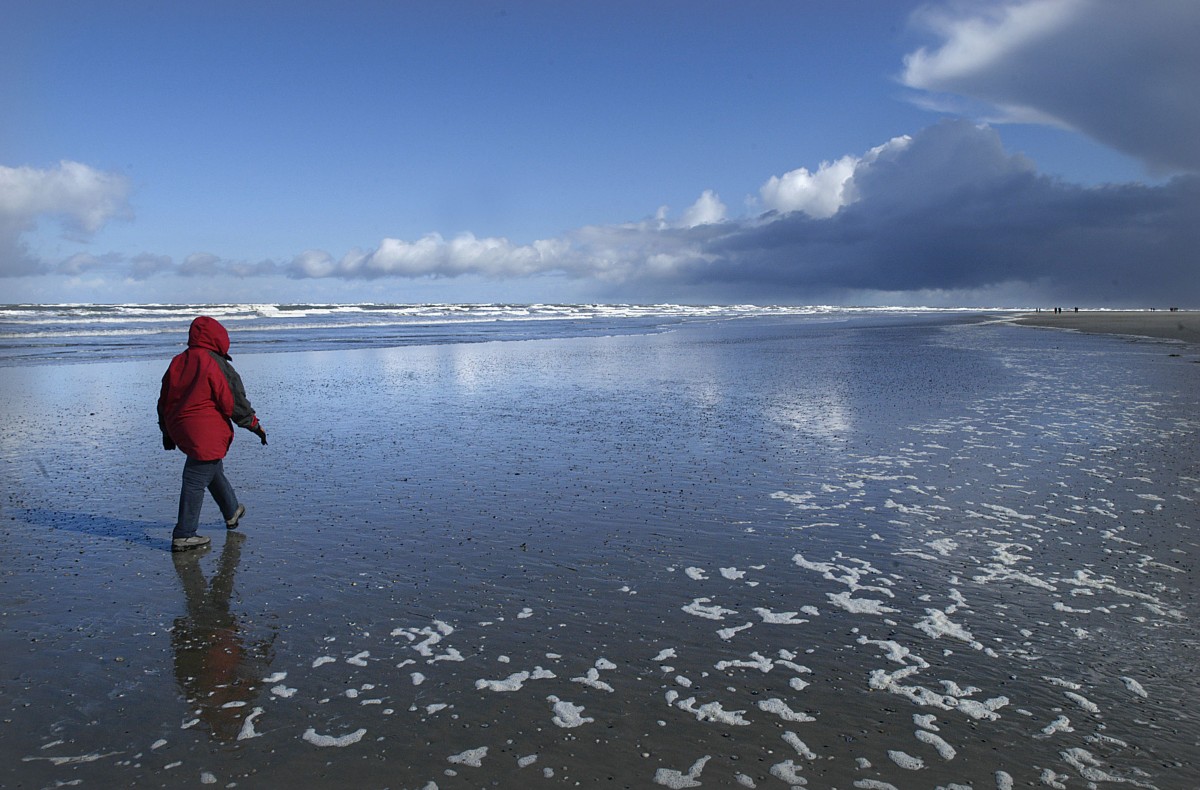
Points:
[231,523]
[193,542]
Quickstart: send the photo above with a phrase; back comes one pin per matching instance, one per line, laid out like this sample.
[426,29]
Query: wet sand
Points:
[1183,325]
[765,553]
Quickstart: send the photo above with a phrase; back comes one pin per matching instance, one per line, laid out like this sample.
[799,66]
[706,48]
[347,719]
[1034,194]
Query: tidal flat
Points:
[911,551]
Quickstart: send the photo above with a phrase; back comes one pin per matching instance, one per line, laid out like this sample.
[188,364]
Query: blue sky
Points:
[795,152]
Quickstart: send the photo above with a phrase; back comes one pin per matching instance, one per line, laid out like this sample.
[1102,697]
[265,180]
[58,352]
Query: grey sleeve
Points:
[243,412]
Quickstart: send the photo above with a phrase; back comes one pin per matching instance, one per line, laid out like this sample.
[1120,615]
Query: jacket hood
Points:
[207,333]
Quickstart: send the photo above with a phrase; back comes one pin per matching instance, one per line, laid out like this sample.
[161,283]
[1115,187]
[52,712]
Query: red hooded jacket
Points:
[201,393]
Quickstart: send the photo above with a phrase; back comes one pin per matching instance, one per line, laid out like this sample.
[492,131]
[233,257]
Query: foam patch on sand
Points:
[670,777]
[472,758]
[340,741]
[515,681]
[568,715]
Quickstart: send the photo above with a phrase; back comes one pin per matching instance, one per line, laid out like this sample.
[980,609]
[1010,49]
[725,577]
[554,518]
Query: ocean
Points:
[48,334]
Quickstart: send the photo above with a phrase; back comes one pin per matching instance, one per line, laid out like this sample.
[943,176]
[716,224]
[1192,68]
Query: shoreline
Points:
[1182,325]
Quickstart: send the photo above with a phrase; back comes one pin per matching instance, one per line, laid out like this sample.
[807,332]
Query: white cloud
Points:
[80,264]
[201,264]
[707,210]
[147,265]
[984,39]
[818,194]
[823,193]
[82,198]
[434,256]
[1122,73]
[313,263]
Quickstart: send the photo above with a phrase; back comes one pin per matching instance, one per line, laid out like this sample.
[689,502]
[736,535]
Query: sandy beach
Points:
[1181,325]
[872,552]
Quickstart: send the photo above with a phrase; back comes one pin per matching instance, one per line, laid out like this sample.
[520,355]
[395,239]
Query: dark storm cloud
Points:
[952,212]
[1122,73]
[1127,244]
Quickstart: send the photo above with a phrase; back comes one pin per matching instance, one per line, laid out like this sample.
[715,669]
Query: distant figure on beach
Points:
[201,393]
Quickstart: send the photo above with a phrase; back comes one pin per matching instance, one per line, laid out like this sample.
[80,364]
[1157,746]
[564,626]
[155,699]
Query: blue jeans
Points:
[197,476]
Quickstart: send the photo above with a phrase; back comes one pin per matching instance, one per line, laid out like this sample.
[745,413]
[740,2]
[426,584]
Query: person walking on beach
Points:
[201,393]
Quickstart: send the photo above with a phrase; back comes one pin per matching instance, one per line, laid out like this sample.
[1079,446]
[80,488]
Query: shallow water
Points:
[871,552]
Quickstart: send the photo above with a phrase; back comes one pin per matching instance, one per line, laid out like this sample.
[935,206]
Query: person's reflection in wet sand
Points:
[218,673]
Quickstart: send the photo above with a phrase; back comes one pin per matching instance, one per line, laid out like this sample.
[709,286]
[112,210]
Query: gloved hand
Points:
[261,432]
[167,443]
